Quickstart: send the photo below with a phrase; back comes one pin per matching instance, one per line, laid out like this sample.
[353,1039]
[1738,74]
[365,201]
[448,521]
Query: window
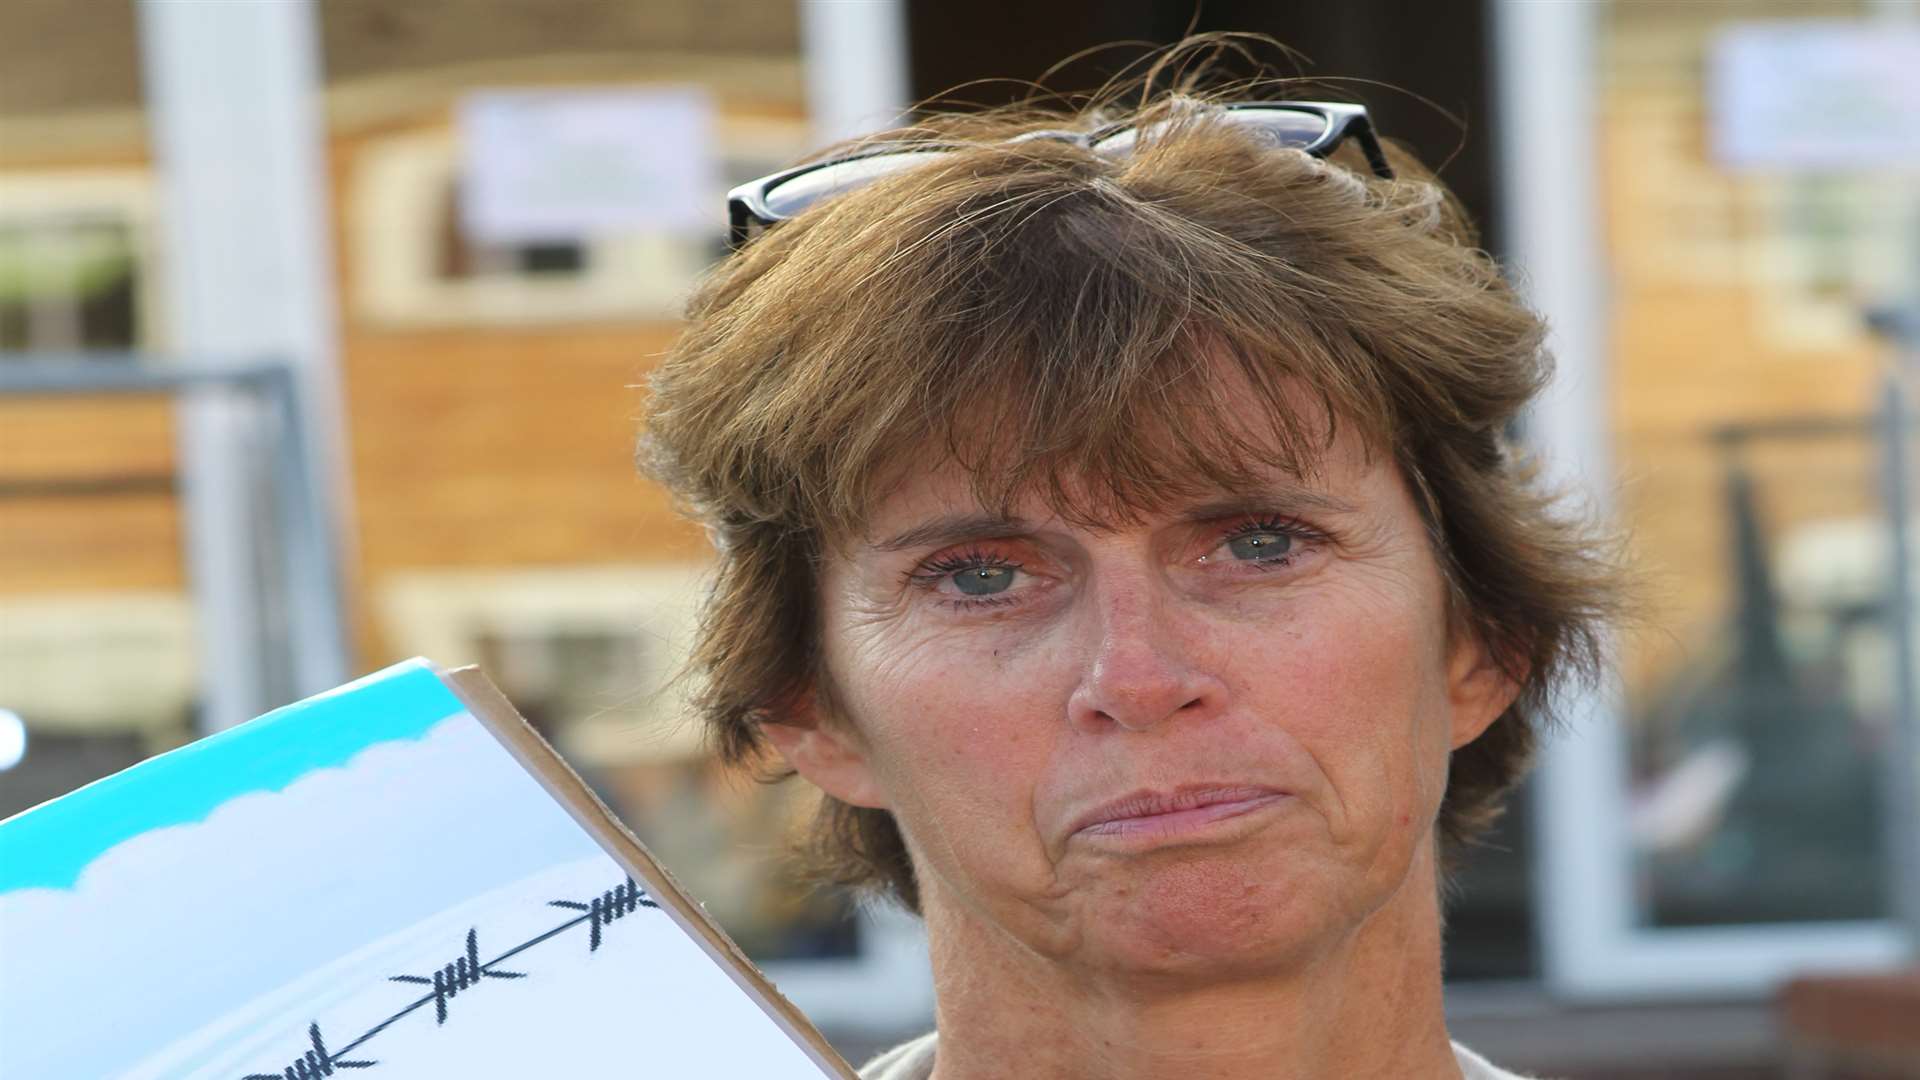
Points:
[412,265]
[1716,823]
[75,263]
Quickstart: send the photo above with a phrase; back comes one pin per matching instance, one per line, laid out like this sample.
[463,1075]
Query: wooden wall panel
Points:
[505,449]
[94,541]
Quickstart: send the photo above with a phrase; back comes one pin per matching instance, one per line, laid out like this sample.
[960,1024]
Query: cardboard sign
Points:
[398,878]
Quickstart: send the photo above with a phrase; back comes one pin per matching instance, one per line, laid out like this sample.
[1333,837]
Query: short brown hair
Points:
[1035,310]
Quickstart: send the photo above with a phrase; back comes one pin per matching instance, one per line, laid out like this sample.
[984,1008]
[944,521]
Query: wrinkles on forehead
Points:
[1206,435]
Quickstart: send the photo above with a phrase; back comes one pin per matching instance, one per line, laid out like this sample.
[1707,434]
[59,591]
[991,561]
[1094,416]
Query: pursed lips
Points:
[1143,813]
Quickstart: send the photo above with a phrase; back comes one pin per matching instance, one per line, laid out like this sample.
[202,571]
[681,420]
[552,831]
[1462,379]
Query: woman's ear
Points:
[829,753]
[1479,686]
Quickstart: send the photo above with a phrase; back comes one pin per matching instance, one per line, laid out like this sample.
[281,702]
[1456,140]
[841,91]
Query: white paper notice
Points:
[1816,96]
[565,164]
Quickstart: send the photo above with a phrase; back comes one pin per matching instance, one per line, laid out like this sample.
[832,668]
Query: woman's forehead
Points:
[1200,424]
[940,494]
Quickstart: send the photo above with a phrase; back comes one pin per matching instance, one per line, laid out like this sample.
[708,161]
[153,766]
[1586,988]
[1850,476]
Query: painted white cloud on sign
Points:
[176,927]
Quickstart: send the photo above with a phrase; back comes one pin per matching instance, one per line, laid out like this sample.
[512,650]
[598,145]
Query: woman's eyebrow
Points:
[954,529]
[960,528]
[1284,500]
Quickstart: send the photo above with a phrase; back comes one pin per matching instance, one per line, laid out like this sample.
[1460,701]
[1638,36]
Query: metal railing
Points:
[297,616]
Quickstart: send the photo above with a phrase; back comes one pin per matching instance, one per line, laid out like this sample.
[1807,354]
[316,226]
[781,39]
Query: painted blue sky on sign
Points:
[49,845]
[251,859]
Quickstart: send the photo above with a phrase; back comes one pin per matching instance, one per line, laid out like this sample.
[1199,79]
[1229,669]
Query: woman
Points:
[1116,524]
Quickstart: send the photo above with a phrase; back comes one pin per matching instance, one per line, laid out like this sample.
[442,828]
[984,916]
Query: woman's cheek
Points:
[1349,686]
[966,734]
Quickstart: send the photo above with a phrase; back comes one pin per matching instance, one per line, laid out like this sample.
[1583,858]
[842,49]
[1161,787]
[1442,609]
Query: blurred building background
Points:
[419,441]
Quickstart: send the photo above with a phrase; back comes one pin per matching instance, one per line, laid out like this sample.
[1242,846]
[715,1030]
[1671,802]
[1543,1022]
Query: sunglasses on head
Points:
[1313,127]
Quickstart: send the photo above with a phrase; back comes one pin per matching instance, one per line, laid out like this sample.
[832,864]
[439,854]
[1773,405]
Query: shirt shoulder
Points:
[1475,1067]
[908,1061]
[914,1061]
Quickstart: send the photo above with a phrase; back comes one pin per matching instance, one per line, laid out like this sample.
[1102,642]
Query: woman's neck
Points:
[1365,1007]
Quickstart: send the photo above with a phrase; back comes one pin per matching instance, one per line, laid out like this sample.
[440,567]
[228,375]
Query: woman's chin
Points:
[1204,916]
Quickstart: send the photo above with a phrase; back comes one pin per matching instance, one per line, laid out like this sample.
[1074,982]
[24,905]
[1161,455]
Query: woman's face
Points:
[1216,738]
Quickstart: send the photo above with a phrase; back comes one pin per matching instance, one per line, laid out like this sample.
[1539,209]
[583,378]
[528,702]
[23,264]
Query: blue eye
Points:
[1261,545]
[984,580]
[979,577]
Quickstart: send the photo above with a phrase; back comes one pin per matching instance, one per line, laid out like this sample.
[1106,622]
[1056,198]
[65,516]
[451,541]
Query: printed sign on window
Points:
[564,164]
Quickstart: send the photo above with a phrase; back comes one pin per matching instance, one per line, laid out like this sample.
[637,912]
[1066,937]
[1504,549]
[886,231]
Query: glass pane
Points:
[1490,922]
[68,280]
[1745,394]
[1756,736]
[105,289]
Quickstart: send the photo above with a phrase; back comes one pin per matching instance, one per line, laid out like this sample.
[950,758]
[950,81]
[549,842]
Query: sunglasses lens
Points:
[1282,127]
[795,194]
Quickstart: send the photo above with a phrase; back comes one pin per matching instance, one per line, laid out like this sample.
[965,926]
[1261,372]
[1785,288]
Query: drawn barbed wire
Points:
[464,973]
[318,1061]
[617,902]
[457,976]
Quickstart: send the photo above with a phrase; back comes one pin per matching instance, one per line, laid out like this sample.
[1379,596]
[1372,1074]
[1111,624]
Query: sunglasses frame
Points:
[747,204]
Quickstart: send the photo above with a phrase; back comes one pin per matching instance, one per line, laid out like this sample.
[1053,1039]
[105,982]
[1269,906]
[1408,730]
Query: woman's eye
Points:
[1260,546]
[983,580]
[969,577]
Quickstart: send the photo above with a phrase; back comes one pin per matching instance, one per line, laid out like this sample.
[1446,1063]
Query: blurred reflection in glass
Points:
[1745,386]
[1756,786]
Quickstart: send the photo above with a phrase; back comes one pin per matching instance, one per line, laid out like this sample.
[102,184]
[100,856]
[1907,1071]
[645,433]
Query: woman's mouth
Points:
[1156,815]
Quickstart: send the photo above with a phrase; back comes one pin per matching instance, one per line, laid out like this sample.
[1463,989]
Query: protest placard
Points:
[398,877]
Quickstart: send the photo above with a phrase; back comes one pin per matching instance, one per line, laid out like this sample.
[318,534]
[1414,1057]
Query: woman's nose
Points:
[1144,668]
